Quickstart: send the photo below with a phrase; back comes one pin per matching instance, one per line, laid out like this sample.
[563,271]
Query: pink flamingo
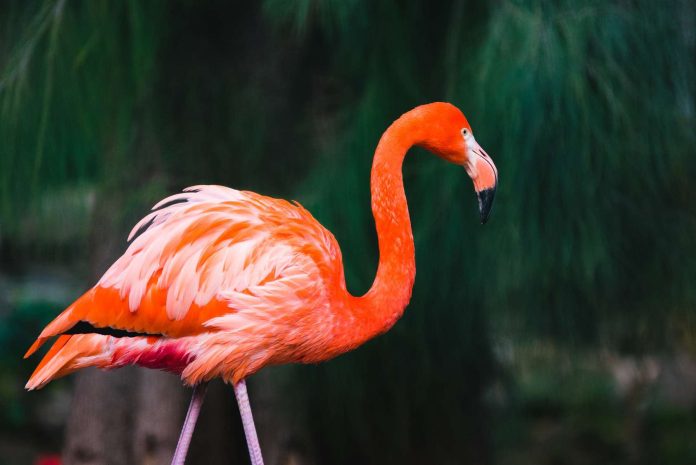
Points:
[220,283]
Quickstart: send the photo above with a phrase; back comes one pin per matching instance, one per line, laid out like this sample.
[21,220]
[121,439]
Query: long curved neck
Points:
[396,272]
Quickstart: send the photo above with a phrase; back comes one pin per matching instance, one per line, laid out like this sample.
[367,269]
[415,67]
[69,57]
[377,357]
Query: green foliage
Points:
[70,87]
[598,118]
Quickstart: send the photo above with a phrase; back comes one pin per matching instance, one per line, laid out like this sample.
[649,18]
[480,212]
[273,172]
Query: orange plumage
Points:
[220,282]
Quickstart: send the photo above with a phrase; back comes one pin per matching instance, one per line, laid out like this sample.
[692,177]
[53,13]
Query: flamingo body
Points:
[219,282]
[222,282]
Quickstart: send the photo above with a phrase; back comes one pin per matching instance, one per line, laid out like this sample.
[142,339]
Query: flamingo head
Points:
[449,135]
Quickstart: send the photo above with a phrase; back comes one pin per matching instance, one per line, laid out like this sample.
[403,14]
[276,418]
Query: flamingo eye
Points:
[466,133]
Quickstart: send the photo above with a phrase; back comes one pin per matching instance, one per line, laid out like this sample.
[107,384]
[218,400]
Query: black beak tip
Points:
[485,200]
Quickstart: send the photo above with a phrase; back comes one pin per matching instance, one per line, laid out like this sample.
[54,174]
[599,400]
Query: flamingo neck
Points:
[396,272]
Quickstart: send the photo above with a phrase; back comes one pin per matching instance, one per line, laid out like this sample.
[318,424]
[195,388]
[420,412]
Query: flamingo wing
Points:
[214,260]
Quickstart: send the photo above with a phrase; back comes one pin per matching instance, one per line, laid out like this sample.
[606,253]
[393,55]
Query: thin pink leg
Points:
[240,392]
[189,424]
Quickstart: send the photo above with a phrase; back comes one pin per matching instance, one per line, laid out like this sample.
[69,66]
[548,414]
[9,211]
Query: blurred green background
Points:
[562,332]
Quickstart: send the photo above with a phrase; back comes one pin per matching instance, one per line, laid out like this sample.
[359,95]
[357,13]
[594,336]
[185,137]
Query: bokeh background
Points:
[562,332]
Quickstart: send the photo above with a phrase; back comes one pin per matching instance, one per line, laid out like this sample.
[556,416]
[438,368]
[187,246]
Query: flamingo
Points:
[221,283]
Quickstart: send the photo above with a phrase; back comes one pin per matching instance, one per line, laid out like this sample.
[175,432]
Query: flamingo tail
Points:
[70,353]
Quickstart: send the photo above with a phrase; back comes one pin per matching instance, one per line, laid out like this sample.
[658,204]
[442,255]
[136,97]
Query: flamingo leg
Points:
[240,392]
[189,423]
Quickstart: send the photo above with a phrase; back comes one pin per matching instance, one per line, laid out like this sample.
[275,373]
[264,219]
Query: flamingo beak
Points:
[483,172]
[485,200]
